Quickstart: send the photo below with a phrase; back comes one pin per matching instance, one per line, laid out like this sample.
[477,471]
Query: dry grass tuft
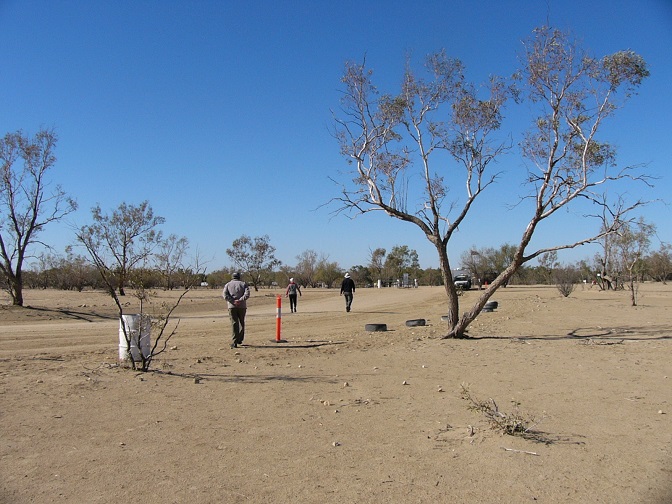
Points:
[515,423]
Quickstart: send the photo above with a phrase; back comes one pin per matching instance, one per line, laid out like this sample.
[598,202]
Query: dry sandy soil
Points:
[339,414]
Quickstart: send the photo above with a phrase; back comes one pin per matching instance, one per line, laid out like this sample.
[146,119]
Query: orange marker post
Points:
[278,320]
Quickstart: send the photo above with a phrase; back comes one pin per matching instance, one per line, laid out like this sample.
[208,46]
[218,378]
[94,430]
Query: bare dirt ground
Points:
[338,414]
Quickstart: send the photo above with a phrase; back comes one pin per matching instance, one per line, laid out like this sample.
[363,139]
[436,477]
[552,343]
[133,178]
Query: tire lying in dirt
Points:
[416,322]
[490,306]
[375,327]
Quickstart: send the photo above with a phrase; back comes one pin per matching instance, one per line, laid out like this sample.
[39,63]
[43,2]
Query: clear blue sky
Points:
[218,112]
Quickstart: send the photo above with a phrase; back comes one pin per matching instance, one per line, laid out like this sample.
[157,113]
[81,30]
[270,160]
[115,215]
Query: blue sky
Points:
[218,112]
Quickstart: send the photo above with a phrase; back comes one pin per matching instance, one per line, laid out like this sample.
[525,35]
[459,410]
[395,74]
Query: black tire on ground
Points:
[416,322]
[375,327]
[492,305]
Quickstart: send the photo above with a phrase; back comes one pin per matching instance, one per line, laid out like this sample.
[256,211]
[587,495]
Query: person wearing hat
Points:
[348,290]
[236,293]
[292,289]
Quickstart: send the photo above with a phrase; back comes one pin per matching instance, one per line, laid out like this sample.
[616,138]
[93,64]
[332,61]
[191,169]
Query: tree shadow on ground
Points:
[72,314]
[240,378]
[198,377]
[307,344]
[622,333]
[545,438]
[323,312]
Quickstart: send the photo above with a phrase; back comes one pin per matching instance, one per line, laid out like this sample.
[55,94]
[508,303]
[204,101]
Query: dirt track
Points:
[338,414]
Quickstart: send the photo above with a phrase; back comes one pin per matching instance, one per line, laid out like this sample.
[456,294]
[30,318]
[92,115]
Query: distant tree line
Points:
[76,273]
[314,270]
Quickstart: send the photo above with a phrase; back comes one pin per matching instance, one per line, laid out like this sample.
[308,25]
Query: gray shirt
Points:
[236,290]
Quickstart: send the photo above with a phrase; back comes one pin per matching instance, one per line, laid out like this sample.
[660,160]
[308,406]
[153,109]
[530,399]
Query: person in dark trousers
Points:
[236,293]
[292,290]
[348,290]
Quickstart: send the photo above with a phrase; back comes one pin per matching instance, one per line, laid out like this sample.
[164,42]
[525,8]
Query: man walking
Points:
[236,293]
[348,290]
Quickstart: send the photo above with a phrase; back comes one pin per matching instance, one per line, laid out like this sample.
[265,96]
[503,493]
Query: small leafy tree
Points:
[400,260]
[306,268]
[548,263]
[170,260]
[609,261]
[566,278]
[27,203]
[121,241]
[486,263]
[631,245]
[377,262]
[284,273]
[361,275]
[125,257]
[585,271]
[255,257]
[328,272]
[218,278]
[660,263]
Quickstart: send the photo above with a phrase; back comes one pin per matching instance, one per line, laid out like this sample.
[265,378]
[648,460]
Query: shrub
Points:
[565,280]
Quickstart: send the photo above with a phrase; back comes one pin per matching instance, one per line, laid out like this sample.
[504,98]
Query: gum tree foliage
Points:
[660,263]
[361,275]
[121,241]
[286,272]
[401,259]
[255,257]
[170,258]
[607,277]
[219,278]
[407,151]
[28,203]
[72,272]
[306,268]
[485,263]
[329,272]
[377,262]
[548,263]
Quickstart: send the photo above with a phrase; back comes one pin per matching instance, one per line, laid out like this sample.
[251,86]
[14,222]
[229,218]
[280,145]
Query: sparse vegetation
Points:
[161,327]
[565,280]
[515,423]
[118,245]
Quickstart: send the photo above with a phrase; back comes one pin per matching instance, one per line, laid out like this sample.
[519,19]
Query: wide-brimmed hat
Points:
[347,275]
[236,275]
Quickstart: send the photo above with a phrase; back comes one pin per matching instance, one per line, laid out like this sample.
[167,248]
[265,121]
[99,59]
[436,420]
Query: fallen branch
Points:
[520,451]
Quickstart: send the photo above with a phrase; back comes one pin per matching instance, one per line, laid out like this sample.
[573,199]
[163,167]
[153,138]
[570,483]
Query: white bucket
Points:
[137,327]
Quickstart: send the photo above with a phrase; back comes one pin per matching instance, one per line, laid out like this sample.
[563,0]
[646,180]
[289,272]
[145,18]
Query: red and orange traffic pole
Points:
[278,320]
